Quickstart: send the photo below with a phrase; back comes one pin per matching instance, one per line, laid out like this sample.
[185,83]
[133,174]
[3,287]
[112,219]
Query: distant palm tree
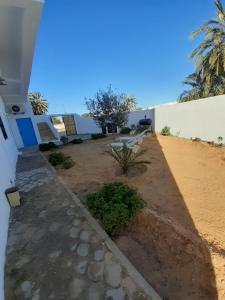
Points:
[130,101]
[39,104]
[196,91]
[210,54]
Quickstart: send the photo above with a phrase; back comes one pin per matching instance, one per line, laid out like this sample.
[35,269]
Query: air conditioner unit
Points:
[16,109]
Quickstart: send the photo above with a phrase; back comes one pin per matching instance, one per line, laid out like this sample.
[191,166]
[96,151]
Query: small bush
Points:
[68,163]
[47,147]
[64,140]
[114,205]
[56,158]
[96,136]
[197,139]
[76,141]
[125,130]
[165,131]
[141,128]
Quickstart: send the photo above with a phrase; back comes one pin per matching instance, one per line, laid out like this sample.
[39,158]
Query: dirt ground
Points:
[177,241]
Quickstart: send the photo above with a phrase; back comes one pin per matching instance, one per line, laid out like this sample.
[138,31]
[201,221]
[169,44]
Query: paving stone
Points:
[77,286]
[112,270]
[36,295]
[74,232]
[76,222]
[70,212]
[129,285]
[95,271]
[82,267]
[22,261]
[83,249]
[26,288]
[99,254]
[95,292]
[55,254]
[115,294]
[54,226]
[85,235]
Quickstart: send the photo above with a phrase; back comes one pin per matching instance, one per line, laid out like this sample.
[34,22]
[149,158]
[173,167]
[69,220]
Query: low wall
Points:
[204,118]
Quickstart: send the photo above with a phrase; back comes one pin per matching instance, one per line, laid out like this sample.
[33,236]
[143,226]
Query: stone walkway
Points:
[57,251]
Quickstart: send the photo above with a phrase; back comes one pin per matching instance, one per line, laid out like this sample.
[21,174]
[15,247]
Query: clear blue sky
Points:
[138,46]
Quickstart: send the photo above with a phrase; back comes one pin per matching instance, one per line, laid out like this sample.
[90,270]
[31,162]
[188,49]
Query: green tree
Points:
[109,107]
[39,104]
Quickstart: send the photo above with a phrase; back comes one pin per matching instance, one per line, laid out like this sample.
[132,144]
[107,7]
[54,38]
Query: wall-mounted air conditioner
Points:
[15,109]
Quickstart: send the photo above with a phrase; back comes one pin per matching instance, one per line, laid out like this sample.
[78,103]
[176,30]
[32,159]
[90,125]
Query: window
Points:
[3,129]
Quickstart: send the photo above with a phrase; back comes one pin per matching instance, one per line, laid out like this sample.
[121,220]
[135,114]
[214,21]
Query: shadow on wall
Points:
[169,252]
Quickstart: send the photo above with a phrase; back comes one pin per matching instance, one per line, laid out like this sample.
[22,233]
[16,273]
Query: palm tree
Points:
[210,54]
[39,104]
[197,88]
[126,157]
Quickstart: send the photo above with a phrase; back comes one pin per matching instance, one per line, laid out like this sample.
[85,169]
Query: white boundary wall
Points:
[86,125]
[8,159]
[135,116]
[203,118]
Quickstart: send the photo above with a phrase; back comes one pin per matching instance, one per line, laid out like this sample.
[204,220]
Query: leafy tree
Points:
[108,107]
[39,104]
[209,76]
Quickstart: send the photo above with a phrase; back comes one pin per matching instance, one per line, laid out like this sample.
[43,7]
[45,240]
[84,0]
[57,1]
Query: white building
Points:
[18,25]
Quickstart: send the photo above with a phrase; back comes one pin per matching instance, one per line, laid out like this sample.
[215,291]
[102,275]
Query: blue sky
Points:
[140,47]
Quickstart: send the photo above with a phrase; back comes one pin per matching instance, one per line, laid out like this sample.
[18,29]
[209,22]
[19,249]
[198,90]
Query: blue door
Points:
[26,130]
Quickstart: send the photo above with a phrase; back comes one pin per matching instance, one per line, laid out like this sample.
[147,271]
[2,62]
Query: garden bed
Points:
[177,241]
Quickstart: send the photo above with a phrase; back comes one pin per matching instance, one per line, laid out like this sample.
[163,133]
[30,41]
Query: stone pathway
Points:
[56,251]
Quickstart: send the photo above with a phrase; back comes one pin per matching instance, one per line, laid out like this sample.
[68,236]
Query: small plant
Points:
[114,205]
[56,158]
[141,128]
[64,140]
[126,157]
[197,139]
[125,130]
[48,146]
[220,139]
[76,141]
[68,163]
[165,131]
[96,136]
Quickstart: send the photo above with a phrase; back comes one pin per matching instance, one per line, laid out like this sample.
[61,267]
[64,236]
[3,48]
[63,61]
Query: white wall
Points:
[8,159]
[135,116]
[204,118]
[15,130]
[86,125]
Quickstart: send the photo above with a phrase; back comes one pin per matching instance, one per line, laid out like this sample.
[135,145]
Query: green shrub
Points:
[76,141]
[68,163]
[125,130]
[126,157]
[64,140]
[114,205]
[141,128]
[56,158]
[47,146]
[197,139]
[96,136]
[165,131]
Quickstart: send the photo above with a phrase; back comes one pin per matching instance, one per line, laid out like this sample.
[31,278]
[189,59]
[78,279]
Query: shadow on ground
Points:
[168,251]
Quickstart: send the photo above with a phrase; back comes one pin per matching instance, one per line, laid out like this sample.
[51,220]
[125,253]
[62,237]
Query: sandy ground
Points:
[178,238]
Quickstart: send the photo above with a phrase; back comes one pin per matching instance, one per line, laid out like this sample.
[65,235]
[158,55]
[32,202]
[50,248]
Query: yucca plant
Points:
[126,157]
